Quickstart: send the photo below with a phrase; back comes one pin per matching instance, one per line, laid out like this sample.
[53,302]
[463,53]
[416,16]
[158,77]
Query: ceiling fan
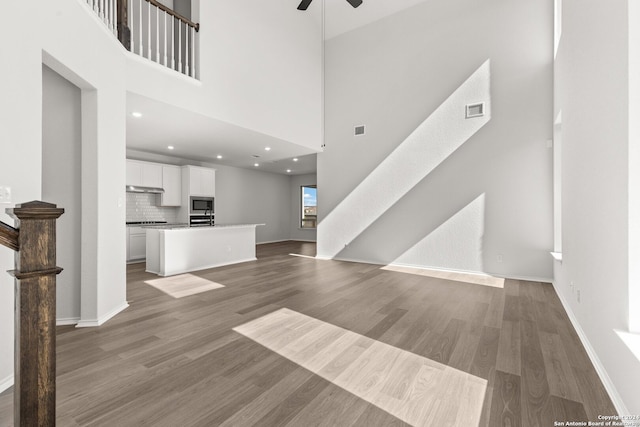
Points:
[304,4]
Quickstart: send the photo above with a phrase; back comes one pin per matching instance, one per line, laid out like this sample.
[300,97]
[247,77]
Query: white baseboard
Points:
[602,372]
[67,321]
[103,319]
[272,241]
[303,240]
[6,383]
[479,273]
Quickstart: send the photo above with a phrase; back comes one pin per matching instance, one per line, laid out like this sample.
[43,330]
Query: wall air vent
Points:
[474,110]
[359,130]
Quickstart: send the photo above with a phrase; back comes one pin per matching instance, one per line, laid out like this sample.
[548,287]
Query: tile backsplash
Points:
[146,207]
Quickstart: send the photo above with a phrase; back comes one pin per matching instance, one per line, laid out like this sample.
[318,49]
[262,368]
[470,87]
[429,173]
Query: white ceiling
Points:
[340,17]
[197,137]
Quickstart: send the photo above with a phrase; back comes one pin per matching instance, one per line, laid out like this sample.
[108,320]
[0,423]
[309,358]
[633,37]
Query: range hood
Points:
[140,189]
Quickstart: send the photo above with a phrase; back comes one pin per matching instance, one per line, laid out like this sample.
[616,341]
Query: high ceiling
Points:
[340,17]
[197,137]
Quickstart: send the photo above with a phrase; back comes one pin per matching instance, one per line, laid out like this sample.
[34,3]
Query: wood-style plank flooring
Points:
[178,362]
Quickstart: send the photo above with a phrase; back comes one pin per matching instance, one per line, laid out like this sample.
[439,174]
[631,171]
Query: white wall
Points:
[96,63]
[297,233]
[244,196]
[61,179]
[260,68]
[407,77]
[592,92]
[20,135]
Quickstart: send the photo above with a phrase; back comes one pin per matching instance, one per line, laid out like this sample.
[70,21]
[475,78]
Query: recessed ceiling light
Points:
[288,170]
[295,159]
[170,147]
[267,148]
[256,164]
[136,114]
[218,156]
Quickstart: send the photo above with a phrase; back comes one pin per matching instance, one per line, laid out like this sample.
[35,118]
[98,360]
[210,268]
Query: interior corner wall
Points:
[96,63]
[297,181]
[592,69]
[20,145]
[61,183]
[394,74]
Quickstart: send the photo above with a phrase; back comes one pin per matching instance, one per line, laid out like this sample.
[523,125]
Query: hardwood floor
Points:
[179,362]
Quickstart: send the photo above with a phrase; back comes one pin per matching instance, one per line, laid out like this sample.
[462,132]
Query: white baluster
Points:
[158,35]
[164,21]
[179,45]
[95,6]
[148,30]
[114,17]
[173,43]
[186,48]
[130,24]
[193,51]
[102,9]
[140,40]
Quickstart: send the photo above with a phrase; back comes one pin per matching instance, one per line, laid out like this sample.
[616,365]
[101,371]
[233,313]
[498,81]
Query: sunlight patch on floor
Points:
[183,285]
[472,278]
[303,256]
[412,388]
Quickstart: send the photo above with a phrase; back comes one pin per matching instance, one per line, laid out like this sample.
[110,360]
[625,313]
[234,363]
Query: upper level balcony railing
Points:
[153,31]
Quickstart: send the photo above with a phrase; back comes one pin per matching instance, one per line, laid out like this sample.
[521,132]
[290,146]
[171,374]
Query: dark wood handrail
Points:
[9,236]
[174,14]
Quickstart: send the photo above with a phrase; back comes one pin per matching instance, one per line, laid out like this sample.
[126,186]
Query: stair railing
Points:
[152,30]
[34,240]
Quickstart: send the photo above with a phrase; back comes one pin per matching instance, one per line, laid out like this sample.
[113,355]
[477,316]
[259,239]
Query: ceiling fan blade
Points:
[355,3]
[304,4]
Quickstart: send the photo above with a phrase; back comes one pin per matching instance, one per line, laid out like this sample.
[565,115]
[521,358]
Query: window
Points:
[309,203]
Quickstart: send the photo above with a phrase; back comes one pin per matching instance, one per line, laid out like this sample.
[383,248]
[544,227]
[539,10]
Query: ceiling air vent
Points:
[359,130]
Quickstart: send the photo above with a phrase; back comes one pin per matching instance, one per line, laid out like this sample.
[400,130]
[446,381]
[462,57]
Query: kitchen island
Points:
[180,249]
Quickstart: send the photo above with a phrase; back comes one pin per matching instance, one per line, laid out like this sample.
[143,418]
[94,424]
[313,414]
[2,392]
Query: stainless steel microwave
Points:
[201,205]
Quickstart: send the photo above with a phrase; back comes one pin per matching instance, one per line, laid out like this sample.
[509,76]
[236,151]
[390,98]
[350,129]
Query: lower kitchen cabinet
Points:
[136,244]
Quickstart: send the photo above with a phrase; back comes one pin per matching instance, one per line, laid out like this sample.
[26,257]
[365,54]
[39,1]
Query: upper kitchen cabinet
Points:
[144,174]
[201,181]
[172,184]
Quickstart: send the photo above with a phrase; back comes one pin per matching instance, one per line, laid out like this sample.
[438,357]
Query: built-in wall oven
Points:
[201,212]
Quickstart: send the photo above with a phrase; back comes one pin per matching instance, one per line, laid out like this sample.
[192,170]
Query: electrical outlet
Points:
[578,296]
[499,257]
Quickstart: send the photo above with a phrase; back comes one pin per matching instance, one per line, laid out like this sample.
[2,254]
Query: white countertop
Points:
[206,227]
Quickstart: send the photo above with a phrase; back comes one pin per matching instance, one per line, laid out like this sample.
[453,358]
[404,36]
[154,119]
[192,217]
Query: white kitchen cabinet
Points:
[144,174]
[172,184]
[202,181]
[137,244]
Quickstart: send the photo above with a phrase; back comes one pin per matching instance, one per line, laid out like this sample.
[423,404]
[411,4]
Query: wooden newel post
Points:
[35,311]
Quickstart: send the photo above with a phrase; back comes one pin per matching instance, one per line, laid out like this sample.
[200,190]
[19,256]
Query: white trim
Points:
[557,256]
[486,274]
[286,240]
[103,319]
[6,383]
[602,372]
[273,241]
[67,321]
